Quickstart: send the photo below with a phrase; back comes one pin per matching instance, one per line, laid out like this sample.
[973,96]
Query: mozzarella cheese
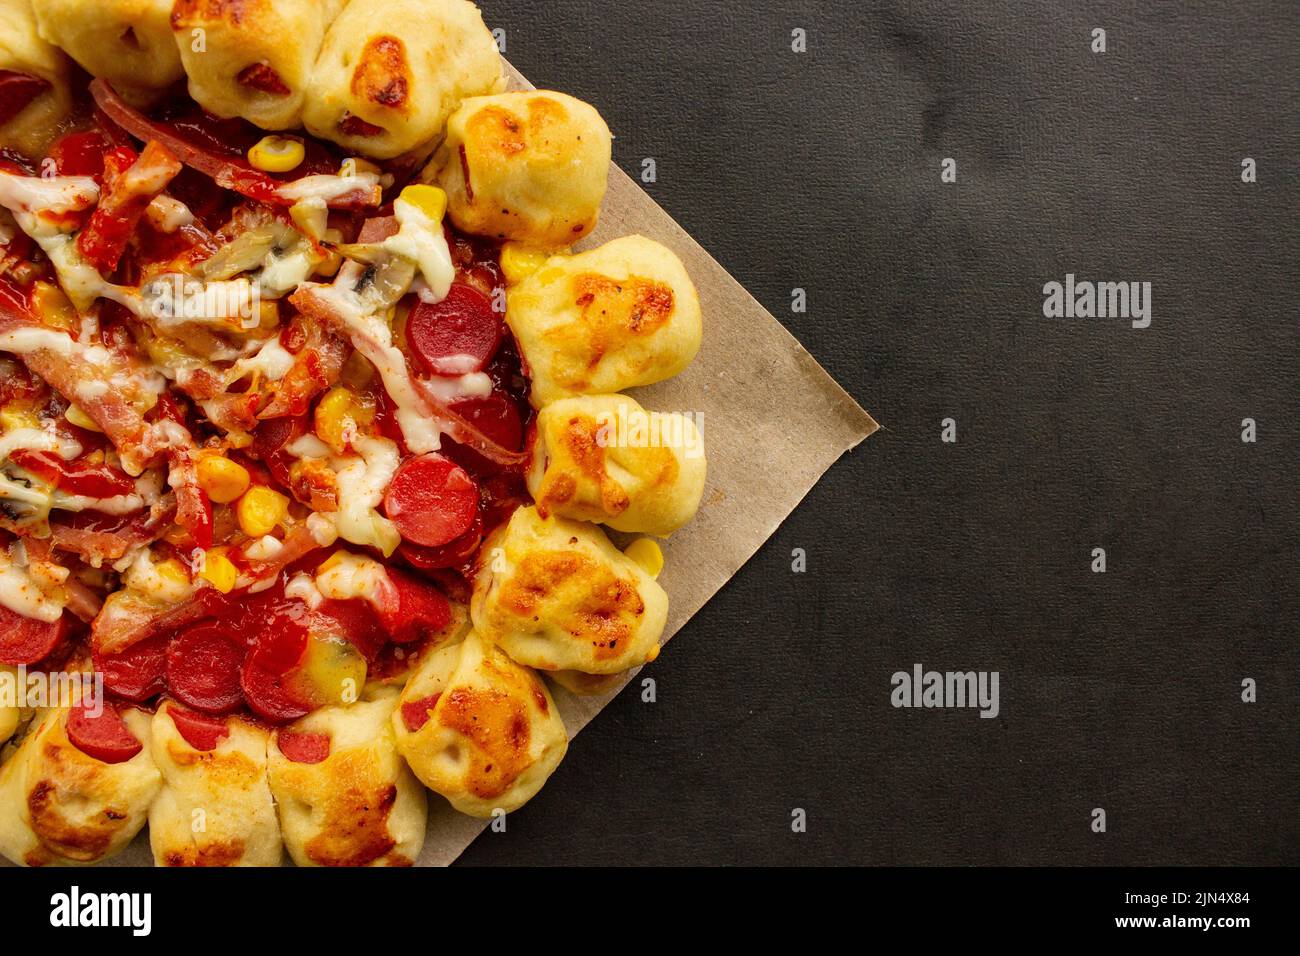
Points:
[621,315]
[215,806]
[59,806]
[556,595]
[530,166]
[360,806]
[423,241]
[604,458]
[401,66]
[26,594]
[488,735]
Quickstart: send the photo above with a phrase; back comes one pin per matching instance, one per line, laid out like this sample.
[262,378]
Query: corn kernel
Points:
[519,262]
[430,200]
[222,479]
[276,154]
[14,417]
[173,570]
[79,418]
[647,555]
[260,510]
[339,415]
[219,571]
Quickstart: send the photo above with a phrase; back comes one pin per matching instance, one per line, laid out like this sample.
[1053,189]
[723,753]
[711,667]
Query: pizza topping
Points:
[303,747]
[416,713]
[102,734]
[200,731]
[264,79]
[431,500]
[203,668]
[17,91]
[137,672]
[457,335]
[26,640]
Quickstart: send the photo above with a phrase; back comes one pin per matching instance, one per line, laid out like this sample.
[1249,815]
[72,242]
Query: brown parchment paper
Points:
[773,422]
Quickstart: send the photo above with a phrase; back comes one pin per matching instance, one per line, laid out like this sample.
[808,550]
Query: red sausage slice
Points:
[17,90]
[203,665]
[452,555]
[415,713]
[460,334]
[105,737]
[431,500]
[136,673]
[201,731]
[276,652]
[304,748]
[25,640]
[421,610]
[497,417]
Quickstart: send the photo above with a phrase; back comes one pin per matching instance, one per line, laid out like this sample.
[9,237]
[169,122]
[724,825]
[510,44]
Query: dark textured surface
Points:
[1118,690]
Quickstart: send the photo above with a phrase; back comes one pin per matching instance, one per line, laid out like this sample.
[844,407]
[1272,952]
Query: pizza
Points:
[318,482]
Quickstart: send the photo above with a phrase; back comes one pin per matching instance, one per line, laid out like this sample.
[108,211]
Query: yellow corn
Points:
[15,417]
[276,154]
[79,418]
[219,571]
[647,555]
[430,200]
[339,415]
[223,480]
[173,570]
[652,655]
[260,510]
[519,262]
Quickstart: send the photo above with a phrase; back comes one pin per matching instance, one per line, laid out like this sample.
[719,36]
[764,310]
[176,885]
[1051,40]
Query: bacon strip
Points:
[127,192]
[108,541]
[226,172]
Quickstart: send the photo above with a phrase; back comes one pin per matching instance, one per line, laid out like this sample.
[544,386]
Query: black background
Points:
[1119,690]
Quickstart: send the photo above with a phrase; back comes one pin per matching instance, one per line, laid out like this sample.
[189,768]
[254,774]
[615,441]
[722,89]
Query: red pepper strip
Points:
[226,172]
[127,192]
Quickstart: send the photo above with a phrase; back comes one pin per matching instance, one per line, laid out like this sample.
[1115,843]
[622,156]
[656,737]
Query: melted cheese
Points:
[346,576]
[362,482]
[22,593]
[145,579]
[272,361]
[325,188]
[423,241]
[303,587]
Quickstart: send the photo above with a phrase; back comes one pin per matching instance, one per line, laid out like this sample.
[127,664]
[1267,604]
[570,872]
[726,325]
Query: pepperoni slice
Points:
[74,477]
[355,621]
[25,640]
[415,713]
[431,500]
[104,736]
[277,650]
[452,555]
[460,334]
[203,666]
[497,417]
[200,731]
[303,748]
[422,610]
[17,90]
[136,673]
[264,79]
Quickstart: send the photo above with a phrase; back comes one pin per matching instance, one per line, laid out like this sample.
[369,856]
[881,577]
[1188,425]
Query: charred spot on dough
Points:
[216,853]
[189,12]
[382,75]
[496,722]
[58,835]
